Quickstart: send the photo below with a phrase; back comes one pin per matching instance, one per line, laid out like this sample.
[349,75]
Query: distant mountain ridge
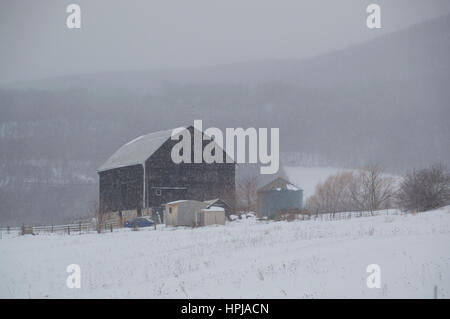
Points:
[427,43]
[384,101]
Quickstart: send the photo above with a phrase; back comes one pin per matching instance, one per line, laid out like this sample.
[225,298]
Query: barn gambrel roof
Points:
[137,151]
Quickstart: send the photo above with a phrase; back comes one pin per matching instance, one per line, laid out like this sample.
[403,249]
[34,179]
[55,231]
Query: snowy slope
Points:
[247,258]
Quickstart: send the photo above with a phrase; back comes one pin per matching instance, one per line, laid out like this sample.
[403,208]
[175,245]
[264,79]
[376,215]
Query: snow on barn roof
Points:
[136,151]
[177,202]
[279,184]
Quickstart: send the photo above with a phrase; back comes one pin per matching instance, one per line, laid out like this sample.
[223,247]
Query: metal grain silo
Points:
[278,196]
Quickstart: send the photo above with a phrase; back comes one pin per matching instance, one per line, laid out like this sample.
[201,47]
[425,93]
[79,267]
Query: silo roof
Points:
[279,184]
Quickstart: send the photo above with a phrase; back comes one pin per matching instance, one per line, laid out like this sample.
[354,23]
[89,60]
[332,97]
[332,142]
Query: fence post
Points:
[7,229]
[79,227]
[111,227]
[68,230]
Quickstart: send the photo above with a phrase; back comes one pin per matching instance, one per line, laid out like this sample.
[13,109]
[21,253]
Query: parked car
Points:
[139,222]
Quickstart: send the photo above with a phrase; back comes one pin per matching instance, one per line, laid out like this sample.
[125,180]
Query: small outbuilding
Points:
[193,213]
[218,202]
[278,197]
[212,215]
[182,212]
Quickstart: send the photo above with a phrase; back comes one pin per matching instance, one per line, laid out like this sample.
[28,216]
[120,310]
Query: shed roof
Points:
[137,151]
[214,201]
[279,184]
[213,209]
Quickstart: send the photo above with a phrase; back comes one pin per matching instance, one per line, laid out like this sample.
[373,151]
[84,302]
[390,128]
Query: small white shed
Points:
[213,215]
[193,213]
[182,212]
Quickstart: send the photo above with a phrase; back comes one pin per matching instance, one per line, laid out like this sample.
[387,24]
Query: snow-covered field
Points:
[245,258]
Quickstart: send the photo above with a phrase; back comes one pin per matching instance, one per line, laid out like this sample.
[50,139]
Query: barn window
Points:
[170,210]
[158,192]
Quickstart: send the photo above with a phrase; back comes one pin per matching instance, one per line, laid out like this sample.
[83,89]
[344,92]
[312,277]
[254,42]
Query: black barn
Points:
[140,177]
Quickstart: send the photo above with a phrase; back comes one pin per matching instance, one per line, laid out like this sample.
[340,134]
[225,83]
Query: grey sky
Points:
[136,35]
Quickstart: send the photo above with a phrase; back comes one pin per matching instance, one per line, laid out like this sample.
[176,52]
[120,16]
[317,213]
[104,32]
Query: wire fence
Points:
[109,226]
[76,228]
[350,215]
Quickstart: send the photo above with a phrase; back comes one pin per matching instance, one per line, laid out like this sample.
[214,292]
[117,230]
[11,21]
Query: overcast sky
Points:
[137,35]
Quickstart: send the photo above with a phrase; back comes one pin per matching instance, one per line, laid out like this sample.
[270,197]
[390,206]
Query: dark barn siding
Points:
[202,181]
[121,188]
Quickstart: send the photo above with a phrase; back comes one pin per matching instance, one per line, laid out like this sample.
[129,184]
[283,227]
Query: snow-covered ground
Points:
[245,258]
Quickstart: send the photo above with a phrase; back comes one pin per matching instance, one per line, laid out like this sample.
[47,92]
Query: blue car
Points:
[139,222]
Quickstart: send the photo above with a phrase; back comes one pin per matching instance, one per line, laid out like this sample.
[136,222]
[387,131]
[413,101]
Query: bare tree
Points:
[358,194]
[425,189]
[247,192]
[376,189]
[99,213]
[366,190]
[333,195]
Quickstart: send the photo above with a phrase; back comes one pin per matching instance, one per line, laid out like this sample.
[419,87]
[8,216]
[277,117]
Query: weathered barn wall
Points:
[121,188]
[168,181]
[165,181]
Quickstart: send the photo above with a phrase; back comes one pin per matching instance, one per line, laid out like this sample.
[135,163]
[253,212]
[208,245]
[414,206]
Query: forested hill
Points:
[384,101]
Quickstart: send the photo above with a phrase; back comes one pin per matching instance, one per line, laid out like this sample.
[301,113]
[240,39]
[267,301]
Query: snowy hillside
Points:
[335,107]
[245,258]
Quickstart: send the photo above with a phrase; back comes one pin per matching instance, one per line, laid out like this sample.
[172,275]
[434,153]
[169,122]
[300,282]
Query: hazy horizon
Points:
[38,45]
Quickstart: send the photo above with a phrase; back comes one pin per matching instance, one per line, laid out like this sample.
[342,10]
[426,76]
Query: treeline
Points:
[370,189]
[83,125]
